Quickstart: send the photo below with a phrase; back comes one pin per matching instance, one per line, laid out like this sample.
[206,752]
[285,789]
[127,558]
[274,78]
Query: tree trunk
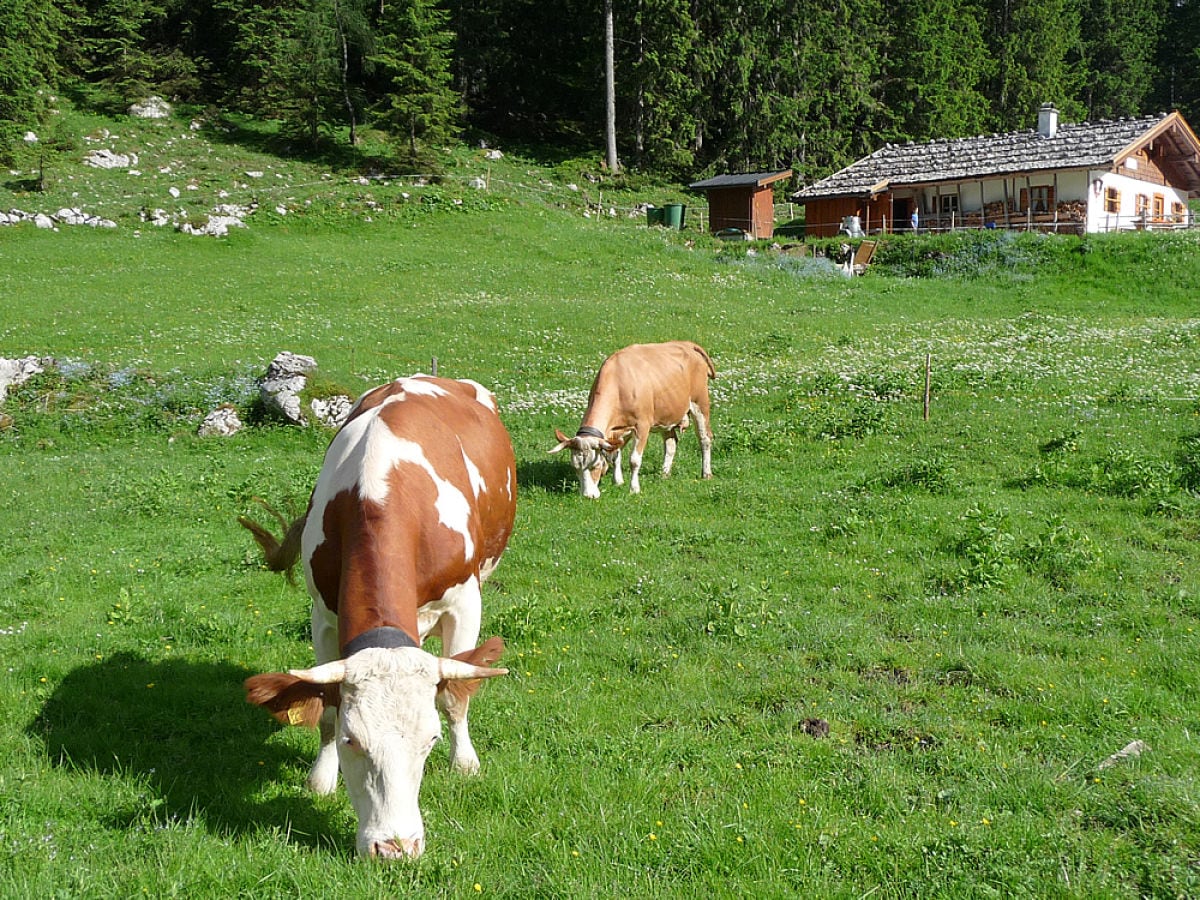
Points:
[345,68]
[610,92]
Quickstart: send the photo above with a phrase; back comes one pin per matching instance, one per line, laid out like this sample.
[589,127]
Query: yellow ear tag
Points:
[295,715]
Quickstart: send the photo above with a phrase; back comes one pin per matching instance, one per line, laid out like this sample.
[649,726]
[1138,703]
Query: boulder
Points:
[107,159]
[331,411]
[213,226]
[280,387]
[221,422]
[151,108]
[18,371]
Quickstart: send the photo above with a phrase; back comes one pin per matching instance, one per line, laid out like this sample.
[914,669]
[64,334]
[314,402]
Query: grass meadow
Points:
[876,655]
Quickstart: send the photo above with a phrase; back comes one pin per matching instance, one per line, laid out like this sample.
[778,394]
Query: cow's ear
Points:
[563,441]
[614,444]
[485,654]
[464,672]
[289,699]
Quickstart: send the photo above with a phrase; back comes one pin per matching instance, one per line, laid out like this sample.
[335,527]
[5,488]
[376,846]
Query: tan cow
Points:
[411,511]
[640,389]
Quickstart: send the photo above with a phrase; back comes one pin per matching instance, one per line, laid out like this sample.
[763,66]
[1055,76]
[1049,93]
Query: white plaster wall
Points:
[1078,185]
[1129,186]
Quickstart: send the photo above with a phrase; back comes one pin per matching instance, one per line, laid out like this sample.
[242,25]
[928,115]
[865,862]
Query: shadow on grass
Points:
[23,186]
[186,728]
[550,475]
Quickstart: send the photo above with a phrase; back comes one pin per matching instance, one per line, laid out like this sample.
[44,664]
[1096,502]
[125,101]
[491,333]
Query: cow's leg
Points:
[635,460]
[617,475]
[670,443]
[459,628]
[700,415]
[322,777]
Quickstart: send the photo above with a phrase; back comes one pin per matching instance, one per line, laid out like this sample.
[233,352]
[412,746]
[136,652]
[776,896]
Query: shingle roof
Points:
[1074,146]
[744,179]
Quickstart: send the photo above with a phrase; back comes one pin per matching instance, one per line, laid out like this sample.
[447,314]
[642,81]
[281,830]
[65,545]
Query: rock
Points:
[477,183]
[332,411]
[221,422]
[153,107]
[280,388]
[214,226]
[494,154]
[1129,751]
[41,220]
[76,216]
[106,159]
[18,371]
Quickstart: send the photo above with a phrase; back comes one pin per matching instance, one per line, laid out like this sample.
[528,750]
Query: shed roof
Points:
[1074,146]
[744,179]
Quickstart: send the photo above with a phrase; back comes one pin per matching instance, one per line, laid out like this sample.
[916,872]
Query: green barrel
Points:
[654,215]
[673,215]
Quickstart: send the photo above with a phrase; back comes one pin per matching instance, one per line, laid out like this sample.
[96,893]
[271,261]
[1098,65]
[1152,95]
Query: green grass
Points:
[982,606]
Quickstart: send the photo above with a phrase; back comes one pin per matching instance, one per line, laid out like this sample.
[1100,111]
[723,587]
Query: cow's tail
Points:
[280,555]
[712,371]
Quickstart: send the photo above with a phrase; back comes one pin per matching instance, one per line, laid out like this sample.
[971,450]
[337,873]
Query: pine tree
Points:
[261,47]
[1177,84]
[938,67]
[29,31]
[412,56]
[1120,40]
[1037,46]
[662,91]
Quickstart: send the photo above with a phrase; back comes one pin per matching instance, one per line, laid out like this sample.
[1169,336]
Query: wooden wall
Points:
[748,208]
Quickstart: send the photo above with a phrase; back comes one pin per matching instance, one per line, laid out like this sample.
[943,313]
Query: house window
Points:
[1177,211]
[1112,200]
[1038,199]
[1160,206]
[1141,205]
[949,204]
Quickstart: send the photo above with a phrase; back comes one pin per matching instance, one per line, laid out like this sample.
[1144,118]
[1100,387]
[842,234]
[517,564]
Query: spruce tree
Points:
[29,31]
[412,57]
[937,68]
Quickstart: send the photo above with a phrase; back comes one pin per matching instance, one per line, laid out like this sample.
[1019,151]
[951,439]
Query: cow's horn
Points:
[329,673]
[456,669]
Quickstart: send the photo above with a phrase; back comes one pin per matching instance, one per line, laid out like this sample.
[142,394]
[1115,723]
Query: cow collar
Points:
[385,636]
[589,431]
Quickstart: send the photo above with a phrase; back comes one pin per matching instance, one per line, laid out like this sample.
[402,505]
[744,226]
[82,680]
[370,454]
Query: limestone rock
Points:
[332,411]
[221,422]
[152,107]
[280,387]
[101,158]
[18,371]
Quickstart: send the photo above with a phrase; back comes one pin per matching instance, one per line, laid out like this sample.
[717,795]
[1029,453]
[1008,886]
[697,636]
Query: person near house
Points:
[914,219]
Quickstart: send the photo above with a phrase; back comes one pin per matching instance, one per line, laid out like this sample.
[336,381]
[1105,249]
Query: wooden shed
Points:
[744,201]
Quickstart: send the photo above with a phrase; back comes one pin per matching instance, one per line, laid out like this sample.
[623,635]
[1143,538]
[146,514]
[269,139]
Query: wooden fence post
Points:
[925,408]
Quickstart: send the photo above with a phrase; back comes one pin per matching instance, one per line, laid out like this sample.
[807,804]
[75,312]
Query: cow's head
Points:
[591,455]
[387,724]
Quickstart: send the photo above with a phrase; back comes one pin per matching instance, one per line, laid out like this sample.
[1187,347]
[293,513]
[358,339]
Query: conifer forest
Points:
[698,87]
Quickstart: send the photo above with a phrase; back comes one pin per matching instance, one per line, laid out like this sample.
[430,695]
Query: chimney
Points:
[1047,120]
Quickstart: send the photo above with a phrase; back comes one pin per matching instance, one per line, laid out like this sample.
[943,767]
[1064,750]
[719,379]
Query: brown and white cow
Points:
[411,512]
[640,389]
